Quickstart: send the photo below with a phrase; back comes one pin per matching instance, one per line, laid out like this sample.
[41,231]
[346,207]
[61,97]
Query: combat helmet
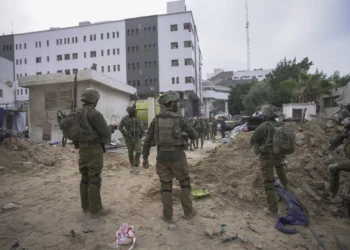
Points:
[130,108]
[90,95]
[168,96]
[268,111]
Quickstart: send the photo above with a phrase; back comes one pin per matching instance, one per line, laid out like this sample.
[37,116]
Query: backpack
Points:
[167,130]
[280,141]
[75,126]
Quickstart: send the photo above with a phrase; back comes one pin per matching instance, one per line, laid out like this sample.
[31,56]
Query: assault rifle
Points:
[338,141]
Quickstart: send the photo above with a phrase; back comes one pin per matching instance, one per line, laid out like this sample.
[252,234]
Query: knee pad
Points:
[138,153]
[84,179]
[332,171]
[166,186]
[96,180]
[186,183]
[269,185]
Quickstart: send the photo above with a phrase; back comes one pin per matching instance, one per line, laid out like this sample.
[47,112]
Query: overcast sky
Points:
[318,29]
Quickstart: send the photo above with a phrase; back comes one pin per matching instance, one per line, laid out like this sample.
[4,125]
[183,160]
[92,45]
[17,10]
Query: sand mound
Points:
[234,170]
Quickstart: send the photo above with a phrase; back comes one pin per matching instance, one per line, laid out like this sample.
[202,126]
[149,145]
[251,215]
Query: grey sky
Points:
[318,29]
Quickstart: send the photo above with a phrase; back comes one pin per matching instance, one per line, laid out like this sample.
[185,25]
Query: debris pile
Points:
[234,169]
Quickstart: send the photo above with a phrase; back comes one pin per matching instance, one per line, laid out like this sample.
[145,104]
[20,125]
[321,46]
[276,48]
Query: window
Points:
[16,46]
[113,34]
[21,91]
[150,82]
[108,52]
[39,44]
[118,51]
[102,69]
[145,48]
[48,72]
[68,39]
[128,49]
[129,66]
[329,102]
[109,68]
[133,66]
[25,74]
[146,64]
[188,61]
[145,31]
[84,38]
[20,46]
[60,41]
[133,49]
[177,80]
[137,48]
[101,36]
[146,82]
[154,28]
[138,83]
[84,54]
[137,31]
[72,39]
[174,63]
[154,47]
[76,39]
[155,81]
[90,37]
[187,26]
[173,27]
[101,52]
[47,59]
[1,94]
[25,46]
[75,71]
[188,44]
[118,67]
[189,79]
[128,32]
[38,60]
[25,61]
[132,32]
[38,73]
[138,65]
[107,35]
[114,68]
[117,34]
[155,64]
[59,71]
[133,83]
[113,51]
[67,57]
[75,56]
[65,40]
[173,80]
[149,29]
[47,43]
[150,47]
[57,42]
[17,91]
[297,113]
[36,44]
[92,53]
[94,37]
[16,61]
[67,71]
[20,61]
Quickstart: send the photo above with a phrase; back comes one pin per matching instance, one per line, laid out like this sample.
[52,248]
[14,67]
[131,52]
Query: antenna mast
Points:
[248,42]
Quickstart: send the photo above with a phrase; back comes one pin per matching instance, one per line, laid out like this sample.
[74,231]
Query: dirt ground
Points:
[48,208]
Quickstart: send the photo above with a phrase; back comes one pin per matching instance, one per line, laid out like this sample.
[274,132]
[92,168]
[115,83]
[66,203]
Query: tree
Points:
[339,81]
[256,97]
[235,98]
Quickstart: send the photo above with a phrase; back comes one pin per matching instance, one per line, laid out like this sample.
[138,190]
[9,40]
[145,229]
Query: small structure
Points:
[214,99]
[53,92]
[295,110]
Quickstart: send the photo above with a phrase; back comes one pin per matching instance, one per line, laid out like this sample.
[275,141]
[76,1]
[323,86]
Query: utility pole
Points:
[248,42]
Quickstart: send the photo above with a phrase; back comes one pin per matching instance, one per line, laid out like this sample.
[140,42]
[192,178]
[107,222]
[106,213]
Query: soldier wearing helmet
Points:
[166,132]
[131,128]
[262,142]
[91,153]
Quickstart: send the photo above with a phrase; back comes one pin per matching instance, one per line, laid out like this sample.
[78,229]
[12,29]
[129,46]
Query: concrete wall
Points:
[176,6]
[142,42]
[6,75]
[112,105]
[288,109]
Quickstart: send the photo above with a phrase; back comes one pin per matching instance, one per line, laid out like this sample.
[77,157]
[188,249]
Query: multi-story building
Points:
[153,53]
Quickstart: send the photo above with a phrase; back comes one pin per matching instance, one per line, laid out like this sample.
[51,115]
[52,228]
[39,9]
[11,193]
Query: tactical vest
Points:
[133,125]
[167,131]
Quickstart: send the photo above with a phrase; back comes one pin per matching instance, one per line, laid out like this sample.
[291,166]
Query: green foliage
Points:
[339,81]
[235,98]
[256,97]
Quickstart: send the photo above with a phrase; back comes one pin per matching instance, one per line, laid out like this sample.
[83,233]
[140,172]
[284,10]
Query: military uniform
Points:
[223,127]
[91,152]
[268,160]
[334,171]
[200,127]
[192,142]
[165,131]
[214,129]
[131,128]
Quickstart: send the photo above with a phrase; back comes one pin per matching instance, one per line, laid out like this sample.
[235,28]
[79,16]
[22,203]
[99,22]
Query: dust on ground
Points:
[46,192]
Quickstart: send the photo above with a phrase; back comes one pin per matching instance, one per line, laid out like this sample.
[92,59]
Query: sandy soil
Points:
[47,196]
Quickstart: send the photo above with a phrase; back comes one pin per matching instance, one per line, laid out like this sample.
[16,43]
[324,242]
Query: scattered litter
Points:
[54,143]
[115,142]
[258,245]
[72,232]
[89,230]
[229,239]
[209,232]
[15,246]
[10,206]
[200,192]
[124,236]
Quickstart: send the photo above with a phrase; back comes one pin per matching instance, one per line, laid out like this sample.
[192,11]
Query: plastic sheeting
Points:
[19,122]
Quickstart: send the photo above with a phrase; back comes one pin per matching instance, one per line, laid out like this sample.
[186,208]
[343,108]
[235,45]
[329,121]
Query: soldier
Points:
[166,132]
[210,129]
[200,127]
[222,127]
[131,128]
[261,140]
[214,129]
[192,142]
[334,171]
[91,153]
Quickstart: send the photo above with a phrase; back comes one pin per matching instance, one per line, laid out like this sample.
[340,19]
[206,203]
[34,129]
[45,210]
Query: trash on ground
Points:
[200,192]
[89,230]
[124,236]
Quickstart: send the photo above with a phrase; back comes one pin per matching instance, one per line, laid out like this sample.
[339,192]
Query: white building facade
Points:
[153,54]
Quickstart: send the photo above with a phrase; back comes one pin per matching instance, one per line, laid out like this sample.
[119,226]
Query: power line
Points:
[248,41]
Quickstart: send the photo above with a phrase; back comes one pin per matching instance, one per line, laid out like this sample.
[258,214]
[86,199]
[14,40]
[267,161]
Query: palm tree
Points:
[339,81]
[309,87]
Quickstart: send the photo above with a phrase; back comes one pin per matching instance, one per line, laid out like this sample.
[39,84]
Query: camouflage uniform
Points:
[268,160]
[214,129]
[192,142]
[200,127]
[334,171]
[166,132]
[91,153]
[131,128]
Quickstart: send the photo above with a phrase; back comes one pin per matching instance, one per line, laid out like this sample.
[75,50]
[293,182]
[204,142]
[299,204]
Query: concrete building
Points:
[214,99]
[153,53]
[53,92]
[295,110]
[7,84]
